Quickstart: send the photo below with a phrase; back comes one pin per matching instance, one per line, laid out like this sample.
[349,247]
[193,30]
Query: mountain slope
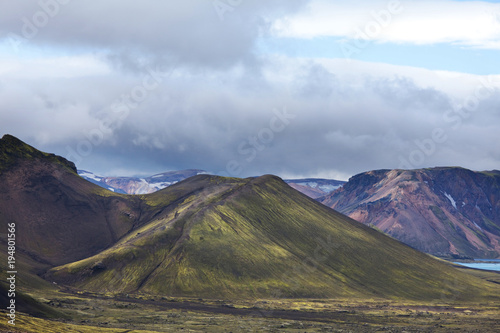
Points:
[442,211]
[59,216]
[241,238]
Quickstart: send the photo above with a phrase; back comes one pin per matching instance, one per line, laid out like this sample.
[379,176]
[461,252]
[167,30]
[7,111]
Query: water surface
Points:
[485,264]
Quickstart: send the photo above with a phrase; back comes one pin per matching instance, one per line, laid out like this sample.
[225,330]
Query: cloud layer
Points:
[193,32]
[468,23]
[126,88]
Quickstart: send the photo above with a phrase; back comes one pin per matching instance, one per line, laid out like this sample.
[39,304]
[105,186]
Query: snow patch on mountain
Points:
[89,175]
[162,185]
[329,188]
[309,184]
[453,202]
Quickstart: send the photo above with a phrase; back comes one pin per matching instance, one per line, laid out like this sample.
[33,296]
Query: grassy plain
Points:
[150,314]
[122,313]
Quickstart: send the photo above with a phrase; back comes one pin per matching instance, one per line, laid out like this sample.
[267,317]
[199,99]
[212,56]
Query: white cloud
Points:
[53,67]
[474,23]
[456,85]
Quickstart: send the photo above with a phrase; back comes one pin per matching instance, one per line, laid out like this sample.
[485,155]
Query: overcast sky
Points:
[296,88]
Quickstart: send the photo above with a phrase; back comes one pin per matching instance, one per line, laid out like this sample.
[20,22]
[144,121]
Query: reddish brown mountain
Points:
[59,216]
[442,211]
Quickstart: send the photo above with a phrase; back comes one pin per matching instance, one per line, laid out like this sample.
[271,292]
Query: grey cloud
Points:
[329,133]
[217,107]
[149,31]
[188,123]
[315,81]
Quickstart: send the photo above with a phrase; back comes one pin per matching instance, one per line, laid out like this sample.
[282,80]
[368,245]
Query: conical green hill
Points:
[243,238]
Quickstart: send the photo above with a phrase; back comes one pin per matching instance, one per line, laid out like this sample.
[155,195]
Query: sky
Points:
[295,88]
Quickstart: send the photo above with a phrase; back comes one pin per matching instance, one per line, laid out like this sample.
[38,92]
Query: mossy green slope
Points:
[235,238]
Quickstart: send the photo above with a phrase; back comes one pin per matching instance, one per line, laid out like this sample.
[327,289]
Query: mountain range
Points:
[312,187]
[446,211]
[137,185]
[207,236]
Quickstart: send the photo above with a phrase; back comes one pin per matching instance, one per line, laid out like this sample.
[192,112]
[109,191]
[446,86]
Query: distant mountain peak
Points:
[315,187]
[140,185]
[312,187]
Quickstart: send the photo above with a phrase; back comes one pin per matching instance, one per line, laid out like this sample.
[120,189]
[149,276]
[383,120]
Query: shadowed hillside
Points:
[60,217]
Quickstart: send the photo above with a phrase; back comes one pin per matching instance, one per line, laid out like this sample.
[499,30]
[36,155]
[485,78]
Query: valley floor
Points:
[106,314]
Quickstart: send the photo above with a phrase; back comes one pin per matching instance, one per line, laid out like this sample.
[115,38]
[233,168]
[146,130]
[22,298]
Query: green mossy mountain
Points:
[247,238]
[210,237]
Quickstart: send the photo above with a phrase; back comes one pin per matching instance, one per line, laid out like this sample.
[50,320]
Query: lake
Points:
[485,264]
